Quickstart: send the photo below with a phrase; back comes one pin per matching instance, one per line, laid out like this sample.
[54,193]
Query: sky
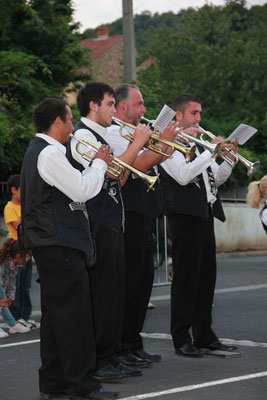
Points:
[92,13]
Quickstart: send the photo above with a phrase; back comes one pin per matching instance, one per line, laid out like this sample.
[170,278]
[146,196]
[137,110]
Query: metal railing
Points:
[162,254]
[3,187]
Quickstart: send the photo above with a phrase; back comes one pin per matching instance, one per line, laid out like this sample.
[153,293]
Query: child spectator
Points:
[10,262]
[257,194]
[21,307]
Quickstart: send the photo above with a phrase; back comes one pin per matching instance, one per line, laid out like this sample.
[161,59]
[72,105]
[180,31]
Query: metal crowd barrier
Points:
[161,256]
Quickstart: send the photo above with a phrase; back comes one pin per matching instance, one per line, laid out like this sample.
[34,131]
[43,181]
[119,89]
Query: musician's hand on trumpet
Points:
[105,154]
[223,142]
[229,151]
[169,134]
[141,135]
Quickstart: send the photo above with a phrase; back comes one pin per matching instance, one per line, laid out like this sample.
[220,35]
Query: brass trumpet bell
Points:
[252,167]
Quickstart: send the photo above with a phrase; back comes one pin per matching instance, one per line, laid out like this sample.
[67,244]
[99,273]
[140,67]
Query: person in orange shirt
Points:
[21,307]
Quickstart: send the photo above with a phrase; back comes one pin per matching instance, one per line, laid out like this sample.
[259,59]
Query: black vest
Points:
[187,199]
[48,216]
[106,208]
[137,199]
[264,226]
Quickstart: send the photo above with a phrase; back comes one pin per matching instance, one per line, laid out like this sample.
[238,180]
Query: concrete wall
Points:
[242,230]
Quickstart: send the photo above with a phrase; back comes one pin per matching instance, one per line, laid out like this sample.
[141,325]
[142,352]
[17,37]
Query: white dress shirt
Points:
[185,173]
[117,143]
[85,134]
[56,170]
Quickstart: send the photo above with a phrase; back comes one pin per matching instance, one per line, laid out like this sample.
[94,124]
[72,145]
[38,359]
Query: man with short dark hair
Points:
[192,202]
[55,226]
[97,107]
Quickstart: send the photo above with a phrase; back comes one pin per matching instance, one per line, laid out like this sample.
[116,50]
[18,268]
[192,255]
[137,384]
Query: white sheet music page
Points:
[242,133]
[164,118]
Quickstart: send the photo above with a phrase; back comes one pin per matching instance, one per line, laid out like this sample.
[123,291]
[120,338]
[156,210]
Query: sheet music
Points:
[242,133]
[164,118]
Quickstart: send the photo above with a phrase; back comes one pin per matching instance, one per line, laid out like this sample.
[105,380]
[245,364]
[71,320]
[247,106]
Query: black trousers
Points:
[193,285]
[108,293]
[139,276]
[68,351]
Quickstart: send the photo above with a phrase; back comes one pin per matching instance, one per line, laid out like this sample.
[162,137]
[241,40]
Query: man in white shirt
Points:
[190,191]
[55,226]
[140,209]
[96,104]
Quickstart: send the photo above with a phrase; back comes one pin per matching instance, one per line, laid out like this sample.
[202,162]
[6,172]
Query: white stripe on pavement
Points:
[246,343]
[225,290]
[19,343]
[194,387]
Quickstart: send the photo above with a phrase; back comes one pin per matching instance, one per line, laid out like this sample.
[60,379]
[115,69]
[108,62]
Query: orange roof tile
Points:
[100,46]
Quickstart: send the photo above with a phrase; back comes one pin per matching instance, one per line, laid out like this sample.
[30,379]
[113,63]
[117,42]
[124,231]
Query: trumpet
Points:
[188,152]
[252,167]
[212,147]
[117,167]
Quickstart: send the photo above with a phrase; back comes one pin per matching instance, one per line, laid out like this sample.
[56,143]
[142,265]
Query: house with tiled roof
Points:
[107,54]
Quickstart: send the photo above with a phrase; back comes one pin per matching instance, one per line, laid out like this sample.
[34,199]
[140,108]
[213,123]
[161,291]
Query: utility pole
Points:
[128,41]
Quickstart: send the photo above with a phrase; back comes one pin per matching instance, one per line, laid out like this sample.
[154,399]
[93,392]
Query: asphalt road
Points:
[239,316]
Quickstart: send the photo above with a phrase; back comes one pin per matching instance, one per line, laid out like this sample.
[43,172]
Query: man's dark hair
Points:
[92,91]
[181,102]
[13,181]
[122,92]
[47,112]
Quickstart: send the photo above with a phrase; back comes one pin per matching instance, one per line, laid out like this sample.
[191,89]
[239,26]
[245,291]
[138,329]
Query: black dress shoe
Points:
[217,345]
[64,394]
[146,356]
[99,394]
[129,371]
[131,360]
[108,373]
[189,350]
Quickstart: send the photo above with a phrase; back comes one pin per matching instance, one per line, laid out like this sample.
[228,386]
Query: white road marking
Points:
[225,290]
[246,343]
[197,386]
[19,343]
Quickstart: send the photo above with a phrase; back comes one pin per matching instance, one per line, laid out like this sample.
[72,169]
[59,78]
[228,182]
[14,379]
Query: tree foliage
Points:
[40,55]
[220,55]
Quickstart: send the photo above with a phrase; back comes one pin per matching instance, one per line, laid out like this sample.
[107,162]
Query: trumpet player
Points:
[192,202]
[96,104]
[60,238]
[140,209]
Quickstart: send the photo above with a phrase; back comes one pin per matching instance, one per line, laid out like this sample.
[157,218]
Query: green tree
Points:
[220,55]
[40,56]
